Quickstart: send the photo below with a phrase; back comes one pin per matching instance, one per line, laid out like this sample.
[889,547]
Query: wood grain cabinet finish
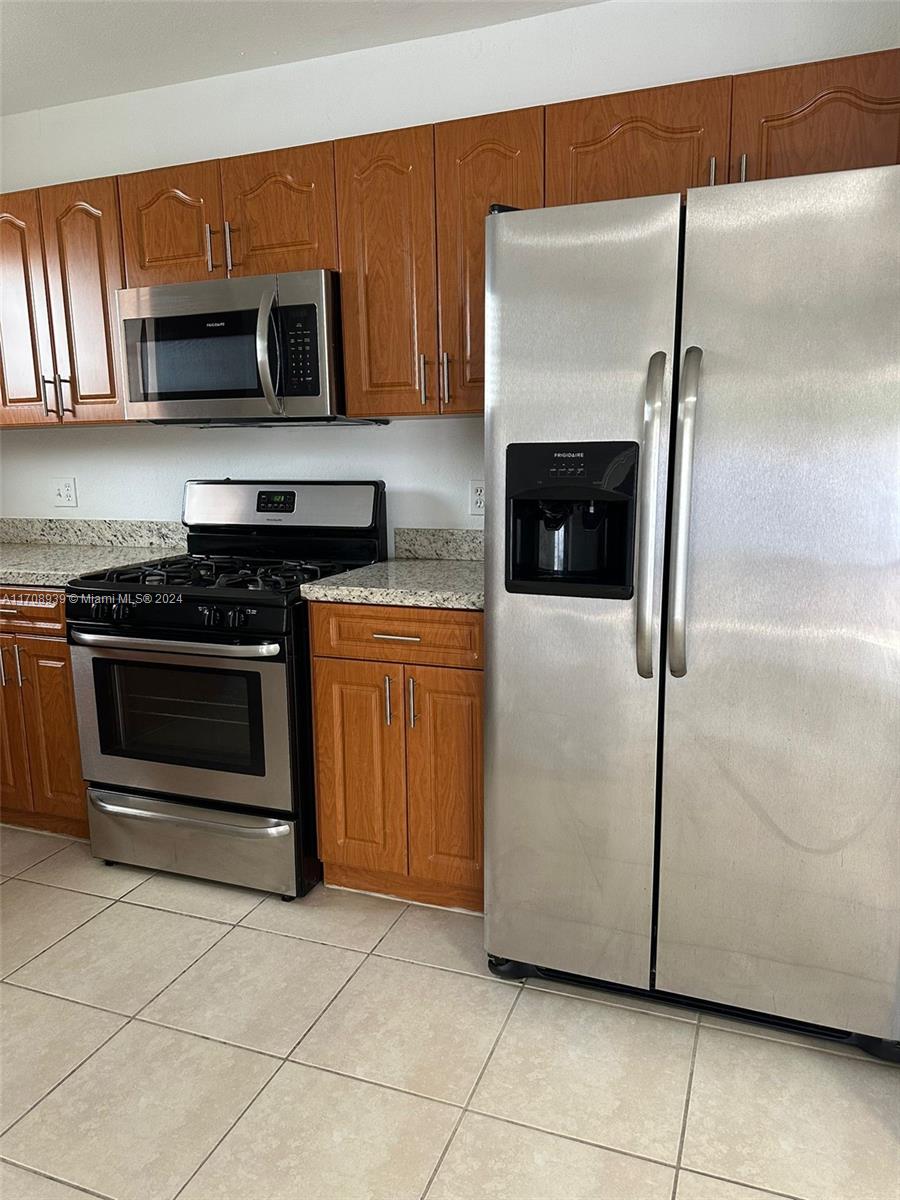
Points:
[445,775]
[827,116]
[15,785]
[497,159]
[644,143]
[360,767]
[172,224]
[386,224]
[280,210]
[27,394]
[51,732]
[386,633]
[82,251]
[33,611]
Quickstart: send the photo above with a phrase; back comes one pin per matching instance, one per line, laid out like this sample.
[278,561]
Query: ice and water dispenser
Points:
[570,518]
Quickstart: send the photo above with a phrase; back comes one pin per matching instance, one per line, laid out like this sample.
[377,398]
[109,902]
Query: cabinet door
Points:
[825,116]
[172,224]
[80,223]
[643,143]
[385,191]
[27,393]
[15,786]
[444,769]
[497,159]
[360,768]
[281,210]
[51,731]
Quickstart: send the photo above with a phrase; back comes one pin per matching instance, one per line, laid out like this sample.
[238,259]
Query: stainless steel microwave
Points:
[263,348]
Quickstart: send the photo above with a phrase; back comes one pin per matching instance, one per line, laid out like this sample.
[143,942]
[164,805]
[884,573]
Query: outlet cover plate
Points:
[476,497]
[64,493]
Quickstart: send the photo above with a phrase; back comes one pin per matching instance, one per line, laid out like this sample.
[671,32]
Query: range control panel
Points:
[276,502]
[300,349]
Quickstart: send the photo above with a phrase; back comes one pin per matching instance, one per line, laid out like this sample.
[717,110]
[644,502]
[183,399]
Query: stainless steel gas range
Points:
[192,682]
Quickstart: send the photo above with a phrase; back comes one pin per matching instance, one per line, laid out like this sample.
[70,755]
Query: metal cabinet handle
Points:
[59,381]
[684,462]
[743,168]
[276,405]
[712,170]
[445,375]
[48,411]
[9,612]
[279,829]
[395,637]
[207,233]
[2,669]
[412,702]
[423,399]
[649,476]
[229,262]
[388,711]
[18,663]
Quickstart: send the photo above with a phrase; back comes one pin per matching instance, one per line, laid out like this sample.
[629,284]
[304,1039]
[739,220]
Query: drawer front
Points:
[429,636]
[33,610]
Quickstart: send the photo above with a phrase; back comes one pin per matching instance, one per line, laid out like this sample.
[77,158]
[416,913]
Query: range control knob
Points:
[235,618]
[119,611]
[210,616]
[99,611]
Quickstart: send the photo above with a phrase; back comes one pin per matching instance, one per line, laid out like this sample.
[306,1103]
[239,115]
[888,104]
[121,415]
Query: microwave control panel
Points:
[300,349]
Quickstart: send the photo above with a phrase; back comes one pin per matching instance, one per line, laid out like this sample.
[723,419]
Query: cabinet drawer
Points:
[434,636]
[33,610]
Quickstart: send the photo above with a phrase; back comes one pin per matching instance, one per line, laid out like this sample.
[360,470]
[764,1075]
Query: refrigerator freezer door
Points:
[580,310]
[781,764]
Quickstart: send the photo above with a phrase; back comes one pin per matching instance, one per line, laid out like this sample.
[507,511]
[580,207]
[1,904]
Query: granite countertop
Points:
[407,582]
[26,564]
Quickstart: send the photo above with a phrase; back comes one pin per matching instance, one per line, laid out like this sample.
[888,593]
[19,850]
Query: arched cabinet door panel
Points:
[498,159]
[280,210]
[27,392]
[645,143]
[837,115]
[80,223]
[172,225]
[385,191]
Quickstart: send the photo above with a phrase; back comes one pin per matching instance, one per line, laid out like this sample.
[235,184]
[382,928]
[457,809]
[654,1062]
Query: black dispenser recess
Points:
[570,518]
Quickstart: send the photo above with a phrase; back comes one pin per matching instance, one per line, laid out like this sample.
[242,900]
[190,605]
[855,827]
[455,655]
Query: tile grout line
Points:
[742,1183]
[687,1105]
[80,925]
[78,1187]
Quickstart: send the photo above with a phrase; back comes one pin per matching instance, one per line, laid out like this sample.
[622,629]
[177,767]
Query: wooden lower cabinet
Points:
[40,762]
[399,772]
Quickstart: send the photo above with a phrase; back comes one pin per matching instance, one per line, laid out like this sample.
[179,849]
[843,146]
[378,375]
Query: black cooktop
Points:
[221,572]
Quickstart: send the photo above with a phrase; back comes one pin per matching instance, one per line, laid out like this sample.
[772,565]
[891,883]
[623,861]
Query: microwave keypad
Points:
[300,350]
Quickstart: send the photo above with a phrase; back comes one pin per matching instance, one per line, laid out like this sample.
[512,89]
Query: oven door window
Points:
[210,356]
[189,716]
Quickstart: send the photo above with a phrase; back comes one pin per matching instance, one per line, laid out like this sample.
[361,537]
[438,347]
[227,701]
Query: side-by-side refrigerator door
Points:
[781,764]
[580,331]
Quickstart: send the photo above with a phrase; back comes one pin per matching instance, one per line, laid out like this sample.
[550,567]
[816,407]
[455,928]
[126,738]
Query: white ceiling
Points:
[57,51]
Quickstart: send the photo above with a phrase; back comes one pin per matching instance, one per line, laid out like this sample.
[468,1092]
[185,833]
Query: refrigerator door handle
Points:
[681,515]
[649,473]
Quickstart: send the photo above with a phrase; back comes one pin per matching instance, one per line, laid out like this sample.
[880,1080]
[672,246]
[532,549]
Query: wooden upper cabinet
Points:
[27,392]
[51,732]
[826,116]
[172,224]
[497,159]
[385,194]
[15,786]
[280,210]
[444,769]
[644,143]
[360,768]
[82,250]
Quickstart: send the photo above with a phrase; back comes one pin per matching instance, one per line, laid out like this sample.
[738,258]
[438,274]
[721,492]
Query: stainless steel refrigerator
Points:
[693,595]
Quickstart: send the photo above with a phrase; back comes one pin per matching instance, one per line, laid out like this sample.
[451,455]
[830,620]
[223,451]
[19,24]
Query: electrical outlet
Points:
[64,494]
[476,497]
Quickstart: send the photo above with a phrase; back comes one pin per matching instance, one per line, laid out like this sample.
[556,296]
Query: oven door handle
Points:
[210,649]
[280,829]
[275,403]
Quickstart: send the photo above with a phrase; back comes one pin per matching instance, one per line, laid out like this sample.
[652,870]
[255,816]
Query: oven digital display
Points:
[276,502]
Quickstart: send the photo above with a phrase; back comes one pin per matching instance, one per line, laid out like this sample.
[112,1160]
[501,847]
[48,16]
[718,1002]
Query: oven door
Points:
[191,719]
[201,351]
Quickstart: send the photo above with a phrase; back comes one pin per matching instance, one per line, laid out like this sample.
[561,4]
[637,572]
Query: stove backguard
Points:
[571,518]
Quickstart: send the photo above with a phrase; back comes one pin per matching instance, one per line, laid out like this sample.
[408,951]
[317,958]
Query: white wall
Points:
[614,46]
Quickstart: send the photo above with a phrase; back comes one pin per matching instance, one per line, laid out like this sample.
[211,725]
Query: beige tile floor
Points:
[164,1037]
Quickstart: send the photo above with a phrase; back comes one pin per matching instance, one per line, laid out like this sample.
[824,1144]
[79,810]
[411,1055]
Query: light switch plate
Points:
[64,494]
[476,497]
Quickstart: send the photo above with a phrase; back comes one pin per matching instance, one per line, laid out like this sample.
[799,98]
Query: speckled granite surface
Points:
[27,565]
[460,544]
[409,582]
[59,532]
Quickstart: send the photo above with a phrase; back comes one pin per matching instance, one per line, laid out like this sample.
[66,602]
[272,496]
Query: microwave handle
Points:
[266,305]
